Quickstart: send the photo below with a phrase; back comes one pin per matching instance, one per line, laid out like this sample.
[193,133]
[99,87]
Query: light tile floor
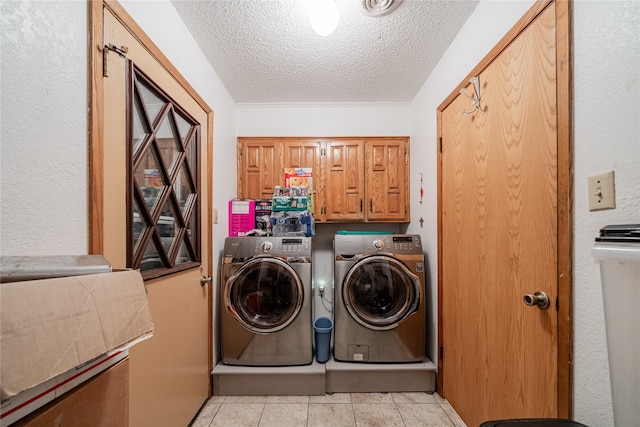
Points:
[331,410]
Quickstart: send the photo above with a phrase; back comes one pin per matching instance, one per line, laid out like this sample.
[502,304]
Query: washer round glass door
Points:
[379,292]
[265,294]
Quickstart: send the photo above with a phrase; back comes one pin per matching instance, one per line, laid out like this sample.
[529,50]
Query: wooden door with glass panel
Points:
[156,207]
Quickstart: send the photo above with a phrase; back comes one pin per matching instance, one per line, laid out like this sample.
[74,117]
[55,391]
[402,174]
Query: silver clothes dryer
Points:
[379,313]
[266,301]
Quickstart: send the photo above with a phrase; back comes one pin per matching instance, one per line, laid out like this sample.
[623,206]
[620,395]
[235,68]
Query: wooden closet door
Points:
[499,236]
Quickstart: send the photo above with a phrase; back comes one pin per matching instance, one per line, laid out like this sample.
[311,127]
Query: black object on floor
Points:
[533,422]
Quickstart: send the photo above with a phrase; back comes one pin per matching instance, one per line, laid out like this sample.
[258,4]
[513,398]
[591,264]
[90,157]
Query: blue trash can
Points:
[322,327]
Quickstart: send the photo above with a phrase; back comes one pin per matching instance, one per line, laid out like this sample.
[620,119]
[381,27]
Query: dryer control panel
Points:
[406,243]
[397,244]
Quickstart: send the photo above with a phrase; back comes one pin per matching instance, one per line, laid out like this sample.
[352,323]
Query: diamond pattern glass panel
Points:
[192,158]
[168,145]
[149,179]
[151,101]
[182,188]
[191,228]
[151,258]
[166,180]
[139,225]
[139,132]
[183,254]
[167,226]
[183,127]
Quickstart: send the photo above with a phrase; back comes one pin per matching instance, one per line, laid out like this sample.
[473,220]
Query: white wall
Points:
[606,137]
[324,119]
[44,128]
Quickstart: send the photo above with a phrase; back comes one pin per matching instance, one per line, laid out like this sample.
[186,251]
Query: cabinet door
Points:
[386,178]
[259,167]
[305,153]
[344,180]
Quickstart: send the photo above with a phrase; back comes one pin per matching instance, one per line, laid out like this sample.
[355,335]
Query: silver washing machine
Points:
[379,313]
[266,317]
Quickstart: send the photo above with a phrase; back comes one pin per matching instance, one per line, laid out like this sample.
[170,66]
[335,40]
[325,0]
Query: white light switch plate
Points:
[215,215]
[602,191]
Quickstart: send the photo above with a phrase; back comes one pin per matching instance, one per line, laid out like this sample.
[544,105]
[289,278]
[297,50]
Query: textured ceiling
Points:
[265,50]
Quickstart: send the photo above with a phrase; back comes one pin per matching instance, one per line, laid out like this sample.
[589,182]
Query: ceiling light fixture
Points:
[324,16]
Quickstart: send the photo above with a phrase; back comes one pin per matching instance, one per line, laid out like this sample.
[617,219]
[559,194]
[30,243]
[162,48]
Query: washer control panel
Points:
[296,246]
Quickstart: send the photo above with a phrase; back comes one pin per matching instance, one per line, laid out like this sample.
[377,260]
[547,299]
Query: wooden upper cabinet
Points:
[354,179]
[386,179]
[305,153]
[344,180]
[259,167]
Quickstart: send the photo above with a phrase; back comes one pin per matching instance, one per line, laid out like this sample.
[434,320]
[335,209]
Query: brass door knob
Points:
[538,298]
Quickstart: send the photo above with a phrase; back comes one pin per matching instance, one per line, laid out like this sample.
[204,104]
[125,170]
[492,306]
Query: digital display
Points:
[403,239]
[291,241]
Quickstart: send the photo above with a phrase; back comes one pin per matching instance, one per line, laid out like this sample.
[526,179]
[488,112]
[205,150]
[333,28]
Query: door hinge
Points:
[441,352]
[557,304]
[121,51]
[440,144]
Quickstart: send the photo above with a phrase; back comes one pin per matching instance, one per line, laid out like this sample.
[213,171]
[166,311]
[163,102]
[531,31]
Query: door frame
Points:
[96,175]
[565,186]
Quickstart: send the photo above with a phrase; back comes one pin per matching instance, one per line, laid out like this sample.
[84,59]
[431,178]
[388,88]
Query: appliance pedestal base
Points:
[306,380]
[348,377]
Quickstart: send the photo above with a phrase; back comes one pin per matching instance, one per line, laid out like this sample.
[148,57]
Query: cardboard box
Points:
[263,215]
[103,401]
[242,216]
[50,326]
[31,400]
[303,177]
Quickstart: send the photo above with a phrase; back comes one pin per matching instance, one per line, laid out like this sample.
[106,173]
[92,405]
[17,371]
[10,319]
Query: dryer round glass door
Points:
[265,295]
[379,292]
